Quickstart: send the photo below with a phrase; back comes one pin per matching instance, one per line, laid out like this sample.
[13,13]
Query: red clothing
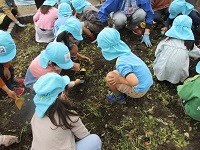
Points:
[160,4]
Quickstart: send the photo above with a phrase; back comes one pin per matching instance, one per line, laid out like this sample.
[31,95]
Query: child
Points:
[55,124]
[7,53]
[44,20]
[190,95]
[55,57]
[132,76]
[172,53]
[64,13]
[182,7]
[91,23]
[70,35]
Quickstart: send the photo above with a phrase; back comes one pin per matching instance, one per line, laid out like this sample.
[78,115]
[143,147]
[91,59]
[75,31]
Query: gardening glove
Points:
[20,25]
[8,140]
[146,40]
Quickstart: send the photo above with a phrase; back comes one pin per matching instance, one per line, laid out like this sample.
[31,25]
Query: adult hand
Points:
[6,73]
[20,25]
[146,40]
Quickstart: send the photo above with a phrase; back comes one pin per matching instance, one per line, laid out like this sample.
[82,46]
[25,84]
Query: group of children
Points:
[63,31]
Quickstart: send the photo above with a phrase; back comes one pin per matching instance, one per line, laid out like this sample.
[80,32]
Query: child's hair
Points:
[64,110]
[45,9]
[53,64]
[64,36]
[189,44]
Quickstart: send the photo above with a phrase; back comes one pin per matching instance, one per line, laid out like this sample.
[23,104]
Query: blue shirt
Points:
[130,63]
[115,5]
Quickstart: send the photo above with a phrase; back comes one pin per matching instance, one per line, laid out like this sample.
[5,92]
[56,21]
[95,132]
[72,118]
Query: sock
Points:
[116,94]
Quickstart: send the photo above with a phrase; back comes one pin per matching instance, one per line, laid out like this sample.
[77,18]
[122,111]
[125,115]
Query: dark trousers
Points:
[159,13]
[10,81]
[39,3]
[7,21]
[195,16]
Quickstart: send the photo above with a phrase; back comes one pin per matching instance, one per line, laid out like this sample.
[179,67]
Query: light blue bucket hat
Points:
[111,45]
[73,26]
[7,47]
[198,67]
[64,10]
[179,6]
[79,5]
[65,1]
[58,53]
[47,89]
[181,28]
[50,2]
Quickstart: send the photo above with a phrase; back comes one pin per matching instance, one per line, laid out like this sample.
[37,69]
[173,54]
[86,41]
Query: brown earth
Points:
[157,117]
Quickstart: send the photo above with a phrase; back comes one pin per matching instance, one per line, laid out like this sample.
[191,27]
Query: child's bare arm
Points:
[83,57]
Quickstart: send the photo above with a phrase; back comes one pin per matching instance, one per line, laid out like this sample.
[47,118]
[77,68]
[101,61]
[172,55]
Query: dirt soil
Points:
[156,121]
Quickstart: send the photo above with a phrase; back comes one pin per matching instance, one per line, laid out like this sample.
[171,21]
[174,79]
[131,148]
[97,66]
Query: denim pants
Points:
[90,142]
[120,19]
[29,79]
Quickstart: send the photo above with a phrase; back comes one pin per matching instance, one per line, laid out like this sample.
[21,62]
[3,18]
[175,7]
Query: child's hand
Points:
[76,67]
[164,29]
[77,81]
[86,58]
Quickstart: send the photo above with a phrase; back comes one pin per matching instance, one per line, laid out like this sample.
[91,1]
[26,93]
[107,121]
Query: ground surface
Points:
[155,121]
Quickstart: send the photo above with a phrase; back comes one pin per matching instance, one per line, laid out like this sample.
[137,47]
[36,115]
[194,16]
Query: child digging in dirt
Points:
[91,23]
[190,95]
[55,57]
[69,34]
[132,76]
[7,81]
[55,124]
[172,53]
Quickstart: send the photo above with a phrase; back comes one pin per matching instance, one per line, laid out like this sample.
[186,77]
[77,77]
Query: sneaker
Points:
[93,38]
[119,99]
[18,81]
[19,91]
[137,31]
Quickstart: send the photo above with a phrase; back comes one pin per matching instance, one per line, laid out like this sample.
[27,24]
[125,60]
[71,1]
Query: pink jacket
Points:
[46,21]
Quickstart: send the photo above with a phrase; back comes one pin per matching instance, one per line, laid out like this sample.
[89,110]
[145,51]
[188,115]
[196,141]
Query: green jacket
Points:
[190,92]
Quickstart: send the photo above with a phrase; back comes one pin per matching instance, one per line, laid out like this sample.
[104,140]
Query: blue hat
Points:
[198,67]
[111,45]
[179,6]
[79,5]
[7,47]
[47,89]
[58,53]
[64,10]
[65,1]
[50,2]
[181,28]
[73,26]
